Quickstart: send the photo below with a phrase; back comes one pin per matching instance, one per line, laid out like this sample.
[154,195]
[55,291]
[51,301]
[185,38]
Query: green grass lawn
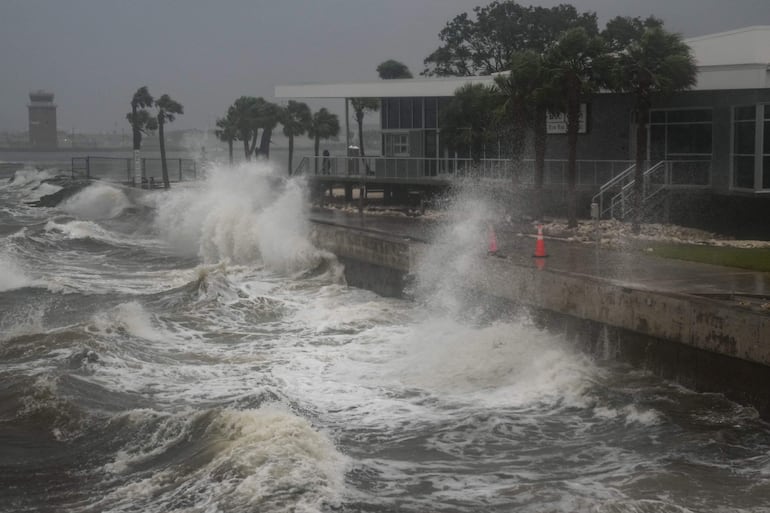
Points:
[755,259]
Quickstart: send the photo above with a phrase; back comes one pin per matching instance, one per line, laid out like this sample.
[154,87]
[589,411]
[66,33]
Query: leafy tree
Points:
[469,119]
[577,67]
[141,121]
[622,31]
[653,63]
[323,125]
[167,111]
[227,131]
[391,69]
[296,119]
[360,106]
[483,44]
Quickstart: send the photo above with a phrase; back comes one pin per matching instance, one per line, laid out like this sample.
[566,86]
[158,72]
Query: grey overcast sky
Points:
[93,54]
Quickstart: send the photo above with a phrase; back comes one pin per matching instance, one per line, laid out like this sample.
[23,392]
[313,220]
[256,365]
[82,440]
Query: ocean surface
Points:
[191,351]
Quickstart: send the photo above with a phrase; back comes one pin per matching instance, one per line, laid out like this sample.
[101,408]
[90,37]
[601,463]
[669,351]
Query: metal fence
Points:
[590,173]
[118,169]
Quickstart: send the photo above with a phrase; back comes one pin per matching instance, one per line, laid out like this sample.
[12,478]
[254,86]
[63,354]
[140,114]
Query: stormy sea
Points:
[191,351]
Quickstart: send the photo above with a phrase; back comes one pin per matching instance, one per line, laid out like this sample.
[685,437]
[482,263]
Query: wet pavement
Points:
[634,269]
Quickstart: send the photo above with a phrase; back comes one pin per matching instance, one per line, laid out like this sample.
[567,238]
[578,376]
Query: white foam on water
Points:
[28,178]
[245,214]
[98,201]
[265,459]
[13,275]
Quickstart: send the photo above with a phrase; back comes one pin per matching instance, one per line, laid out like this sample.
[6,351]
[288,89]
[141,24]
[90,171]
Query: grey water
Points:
[192,351]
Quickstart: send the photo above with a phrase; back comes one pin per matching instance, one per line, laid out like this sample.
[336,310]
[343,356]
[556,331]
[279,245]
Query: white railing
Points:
[656,181]
[590,173]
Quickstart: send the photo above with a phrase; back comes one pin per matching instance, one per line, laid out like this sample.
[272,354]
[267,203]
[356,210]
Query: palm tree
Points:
[227,132]
[296,119]
[243,114]
[391,69]
[167,111]
[576,66]
[268,115]
[469,119]
[323,125]
[141,121]
[528,98]
[655,64]
[360,106]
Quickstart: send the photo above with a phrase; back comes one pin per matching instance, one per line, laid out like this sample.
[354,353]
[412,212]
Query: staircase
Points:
[615,198]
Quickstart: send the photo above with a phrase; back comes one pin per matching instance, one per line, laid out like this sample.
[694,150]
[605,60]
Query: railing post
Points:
[180,170]
[128,171]
[88,168]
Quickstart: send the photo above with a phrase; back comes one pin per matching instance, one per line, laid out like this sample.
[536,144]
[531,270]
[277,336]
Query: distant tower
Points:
[42,120]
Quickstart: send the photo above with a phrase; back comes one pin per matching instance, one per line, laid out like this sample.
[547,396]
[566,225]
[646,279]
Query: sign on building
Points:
[557,123]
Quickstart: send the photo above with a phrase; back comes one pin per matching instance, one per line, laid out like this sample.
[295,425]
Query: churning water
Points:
[191,351]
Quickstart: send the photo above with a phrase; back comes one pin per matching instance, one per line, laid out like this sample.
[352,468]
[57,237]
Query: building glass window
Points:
[405,109]
[416,112]
[744,146]
[681,134]
[431,113]
[396,145]
[392,113]
[766,149]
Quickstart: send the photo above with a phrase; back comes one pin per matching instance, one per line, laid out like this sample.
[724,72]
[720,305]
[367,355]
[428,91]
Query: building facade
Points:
[713,139]
[42,120]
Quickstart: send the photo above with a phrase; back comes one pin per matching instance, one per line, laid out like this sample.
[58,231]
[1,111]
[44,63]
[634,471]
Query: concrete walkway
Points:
[637,269]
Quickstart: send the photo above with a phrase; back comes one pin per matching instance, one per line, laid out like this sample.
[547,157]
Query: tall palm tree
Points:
[323,125]
[653,65]
[296,119]
[528,97]
[227,131]
[167,111]
[141,122]
[268,115]
[577,67]
[360,106]
[243,113]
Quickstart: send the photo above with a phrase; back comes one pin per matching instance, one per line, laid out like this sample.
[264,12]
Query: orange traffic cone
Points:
[540,244]
[492,240]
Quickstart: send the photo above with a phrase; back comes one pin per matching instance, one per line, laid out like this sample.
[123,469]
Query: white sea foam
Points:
[130,318]
[98,201]
[29,178]
[247,461]
[244,214]
[12,275]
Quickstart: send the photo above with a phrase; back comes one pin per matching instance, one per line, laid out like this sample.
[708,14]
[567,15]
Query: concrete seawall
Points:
[706,344]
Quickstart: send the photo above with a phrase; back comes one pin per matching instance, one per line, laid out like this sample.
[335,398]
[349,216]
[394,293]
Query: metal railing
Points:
[590,173]
[656,180]
[118,169]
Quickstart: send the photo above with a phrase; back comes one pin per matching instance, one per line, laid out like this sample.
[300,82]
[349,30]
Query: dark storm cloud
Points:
[93,54]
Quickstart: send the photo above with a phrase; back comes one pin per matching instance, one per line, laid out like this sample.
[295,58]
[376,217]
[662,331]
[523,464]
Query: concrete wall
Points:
[706,344]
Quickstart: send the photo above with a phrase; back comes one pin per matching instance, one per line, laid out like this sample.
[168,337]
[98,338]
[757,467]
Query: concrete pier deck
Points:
[706,326]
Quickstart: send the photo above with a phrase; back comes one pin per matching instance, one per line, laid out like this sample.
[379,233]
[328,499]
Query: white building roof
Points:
[737,59]
[382,88]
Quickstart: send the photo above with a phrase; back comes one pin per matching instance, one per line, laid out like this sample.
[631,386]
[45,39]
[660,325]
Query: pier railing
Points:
[590,173]
[118,169]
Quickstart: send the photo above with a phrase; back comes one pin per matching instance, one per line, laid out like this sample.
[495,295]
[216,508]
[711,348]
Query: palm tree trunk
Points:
[641,154]
[291,152]
[264,142]
[246,153]
[163,165]
[573,113]
[230,151]
[541,114]
[316,147]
